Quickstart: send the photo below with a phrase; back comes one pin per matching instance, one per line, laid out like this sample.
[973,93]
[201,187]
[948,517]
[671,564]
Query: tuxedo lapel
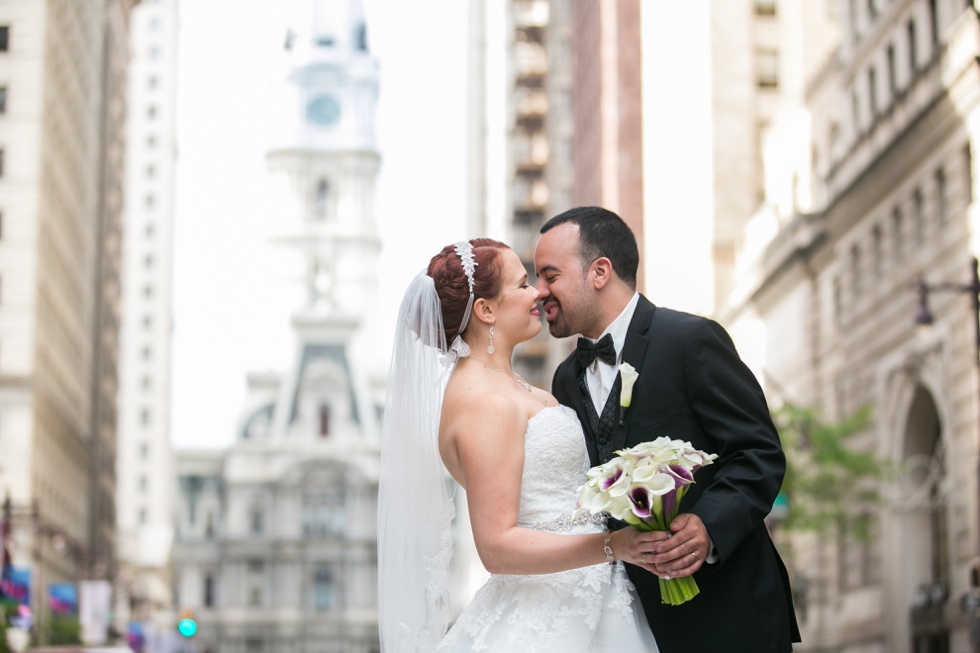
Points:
[634,353]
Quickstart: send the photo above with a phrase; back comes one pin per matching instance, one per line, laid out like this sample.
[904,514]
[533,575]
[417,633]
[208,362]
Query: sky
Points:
[230,316]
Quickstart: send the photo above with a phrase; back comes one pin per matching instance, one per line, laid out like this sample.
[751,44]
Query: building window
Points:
[913,58]
[856,269]
[148,262]
[151,141]
[148,291]
[873,91]
[838,302]
[967,174]
[941,197]
[858,564]
[322,587]
[323,513]
[147,383]
[933,23]
[767,68]
[3,99]
[151,172]
[145,416]
[141,517]
[209,526]
[4,38]
[892,77]
[918,217]
[151,112]
[150,201]
[255,597]
[897,234]
[256,525]
[147,353]
[144,451]
[253,645]
[143,484]
[147,321]
[209,591]
[322,194]
[324,420]
[879,259]
[2,157]
[149,231]
[872,10]
[856,112]
[151,81]
[765,7]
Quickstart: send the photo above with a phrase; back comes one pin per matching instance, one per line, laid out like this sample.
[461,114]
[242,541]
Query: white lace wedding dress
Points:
[588,610]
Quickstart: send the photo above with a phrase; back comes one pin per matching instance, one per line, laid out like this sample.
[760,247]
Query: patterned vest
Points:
[602,425]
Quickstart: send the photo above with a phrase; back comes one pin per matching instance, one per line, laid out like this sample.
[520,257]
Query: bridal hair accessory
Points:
[414,507]
[490,347]
[465,252]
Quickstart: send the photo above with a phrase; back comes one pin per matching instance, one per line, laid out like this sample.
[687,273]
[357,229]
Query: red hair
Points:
[452,286]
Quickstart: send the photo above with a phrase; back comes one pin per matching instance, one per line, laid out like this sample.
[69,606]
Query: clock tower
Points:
[324,163]
[286,514]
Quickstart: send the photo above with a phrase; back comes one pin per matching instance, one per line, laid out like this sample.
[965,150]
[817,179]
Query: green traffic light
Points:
[187,627]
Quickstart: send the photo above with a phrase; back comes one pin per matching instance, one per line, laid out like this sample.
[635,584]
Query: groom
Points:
[692,386]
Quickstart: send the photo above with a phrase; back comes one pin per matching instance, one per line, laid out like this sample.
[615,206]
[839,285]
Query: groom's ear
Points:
[601,272]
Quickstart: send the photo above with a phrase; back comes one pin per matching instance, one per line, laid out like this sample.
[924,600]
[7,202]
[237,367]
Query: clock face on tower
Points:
[323,110]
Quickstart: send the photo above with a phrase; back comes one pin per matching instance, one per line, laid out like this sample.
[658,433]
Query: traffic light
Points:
[187,626]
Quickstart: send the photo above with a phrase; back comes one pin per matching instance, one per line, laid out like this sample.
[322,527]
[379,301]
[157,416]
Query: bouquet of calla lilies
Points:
[643,486]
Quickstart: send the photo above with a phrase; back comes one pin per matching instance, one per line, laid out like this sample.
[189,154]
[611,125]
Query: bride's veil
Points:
[414,507]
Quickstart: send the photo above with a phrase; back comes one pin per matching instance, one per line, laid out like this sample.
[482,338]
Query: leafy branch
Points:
[829,483]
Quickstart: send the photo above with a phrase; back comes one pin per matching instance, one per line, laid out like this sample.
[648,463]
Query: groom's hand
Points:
[684,551]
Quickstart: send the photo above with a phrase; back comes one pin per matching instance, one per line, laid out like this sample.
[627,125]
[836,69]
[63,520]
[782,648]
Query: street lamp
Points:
[923,316]
[970,602]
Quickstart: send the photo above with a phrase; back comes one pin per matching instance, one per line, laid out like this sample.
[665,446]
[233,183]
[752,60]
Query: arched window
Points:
[323,594]
[322,195]
[324,420]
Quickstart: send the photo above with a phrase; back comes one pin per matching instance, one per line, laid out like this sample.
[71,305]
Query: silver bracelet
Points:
[608,549]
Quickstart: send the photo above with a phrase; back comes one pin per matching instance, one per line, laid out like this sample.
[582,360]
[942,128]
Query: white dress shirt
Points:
[600,376]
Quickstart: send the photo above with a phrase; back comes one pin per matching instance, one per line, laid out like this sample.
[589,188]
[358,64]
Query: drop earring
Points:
[490,347]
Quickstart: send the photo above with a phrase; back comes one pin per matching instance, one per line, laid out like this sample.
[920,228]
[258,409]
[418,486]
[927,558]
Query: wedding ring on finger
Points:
[644,558]
[695,556]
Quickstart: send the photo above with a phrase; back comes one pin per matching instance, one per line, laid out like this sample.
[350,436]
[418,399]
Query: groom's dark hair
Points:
[602,233]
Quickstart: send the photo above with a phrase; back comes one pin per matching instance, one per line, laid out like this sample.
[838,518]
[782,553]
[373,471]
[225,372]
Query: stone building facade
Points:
[877,198]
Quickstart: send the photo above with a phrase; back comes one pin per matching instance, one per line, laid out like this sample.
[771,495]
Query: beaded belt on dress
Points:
[565,522]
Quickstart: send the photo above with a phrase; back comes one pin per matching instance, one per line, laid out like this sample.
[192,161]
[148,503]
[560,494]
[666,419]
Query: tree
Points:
[4,644]
[829,483]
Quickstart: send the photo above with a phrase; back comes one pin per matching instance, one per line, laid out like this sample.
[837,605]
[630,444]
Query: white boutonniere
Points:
[628,374]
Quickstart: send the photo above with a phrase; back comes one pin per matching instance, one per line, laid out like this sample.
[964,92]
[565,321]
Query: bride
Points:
[555,583]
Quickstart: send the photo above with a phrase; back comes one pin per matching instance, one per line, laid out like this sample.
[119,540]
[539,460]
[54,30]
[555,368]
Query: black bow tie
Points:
[587,351]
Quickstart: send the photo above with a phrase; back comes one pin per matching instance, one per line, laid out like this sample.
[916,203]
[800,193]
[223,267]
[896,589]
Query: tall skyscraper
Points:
[144,463]
[62,137]
[276,545]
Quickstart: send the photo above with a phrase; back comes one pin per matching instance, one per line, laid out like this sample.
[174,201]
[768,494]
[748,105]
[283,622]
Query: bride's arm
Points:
[489,447]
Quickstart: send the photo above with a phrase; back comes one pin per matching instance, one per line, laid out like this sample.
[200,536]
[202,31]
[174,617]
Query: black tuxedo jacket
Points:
[693,386]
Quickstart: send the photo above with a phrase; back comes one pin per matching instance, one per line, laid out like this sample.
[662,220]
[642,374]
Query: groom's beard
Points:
[566,324]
